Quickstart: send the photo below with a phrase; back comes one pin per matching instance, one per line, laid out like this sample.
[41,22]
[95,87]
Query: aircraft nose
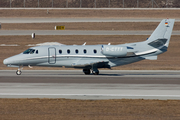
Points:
[5,62]
[8,61]
[14,60]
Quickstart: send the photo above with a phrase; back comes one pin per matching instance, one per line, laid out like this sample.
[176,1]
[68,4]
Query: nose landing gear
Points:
[18,72]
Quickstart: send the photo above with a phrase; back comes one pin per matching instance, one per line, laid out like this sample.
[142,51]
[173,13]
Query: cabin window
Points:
[60,51]
[85,51]
[95,51]
[36,51]
[76,51]
[68,51]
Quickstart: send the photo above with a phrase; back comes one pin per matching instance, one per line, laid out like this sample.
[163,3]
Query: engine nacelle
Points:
[114,50]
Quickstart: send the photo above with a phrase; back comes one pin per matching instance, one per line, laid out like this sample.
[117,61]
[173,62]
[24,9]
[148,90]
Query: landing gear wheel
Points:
[86,71]
[18,72]
[95,72]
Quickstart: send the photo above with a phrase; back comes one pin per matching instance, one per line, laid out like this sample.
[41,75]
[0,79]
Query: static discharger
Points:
[59,27]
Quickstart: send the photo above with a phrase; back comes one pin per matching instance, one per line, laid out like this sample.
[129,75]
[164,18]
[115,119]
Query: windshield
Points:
[31,51]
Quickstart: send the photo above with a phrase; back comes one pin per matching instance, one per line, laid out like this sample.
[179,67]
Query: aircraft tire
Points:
[95,72]
[86,71]
[18,72]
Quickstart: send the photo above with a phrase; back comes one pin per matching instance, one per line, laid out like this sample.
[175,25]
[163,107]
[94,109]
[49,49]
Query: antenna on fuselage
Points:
[84,43]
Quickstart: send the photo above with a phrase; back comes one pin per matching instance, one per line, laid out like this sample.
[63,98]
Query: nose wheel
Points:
[18,72]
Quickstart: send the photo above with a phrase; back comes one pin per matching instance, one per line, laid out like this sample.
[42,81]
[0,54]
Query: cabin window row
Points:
[77,51]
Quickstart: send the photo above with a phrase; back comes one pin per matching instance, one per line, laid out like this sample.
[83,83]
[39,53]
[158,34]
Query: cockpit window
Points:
[32,51]
[29,51]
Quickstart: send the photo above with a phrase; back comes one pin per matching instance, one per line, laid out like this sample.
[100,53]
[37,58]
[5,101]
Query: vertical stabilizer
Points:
[162,32]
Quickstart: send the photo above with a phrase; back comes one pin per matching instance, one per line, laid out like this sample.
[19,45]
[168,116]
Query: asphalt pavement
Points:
[77,32]
[57,20]
[73,84]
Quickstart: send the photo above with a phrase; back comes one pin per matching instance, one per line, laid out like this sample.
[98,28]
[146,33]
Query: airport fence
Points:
[90,3]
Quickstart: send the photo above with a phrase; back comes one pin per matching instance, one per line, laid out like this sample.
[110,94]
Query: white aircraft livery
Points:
[92,57]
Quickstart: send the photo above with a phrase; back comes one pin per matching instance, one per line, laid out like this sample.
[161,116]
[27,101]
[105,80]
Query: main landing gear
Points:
[18,72]
[88,71]
[95,72]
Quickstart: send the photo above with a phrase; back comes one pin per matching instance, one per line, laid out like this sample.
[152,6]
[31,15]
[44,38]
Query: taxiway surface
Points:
[78,32]
[73,84]
[57,20]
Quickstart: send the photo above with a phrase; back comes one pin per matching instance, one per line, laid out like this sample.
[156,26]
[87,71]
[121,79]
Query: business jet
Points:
[92,57]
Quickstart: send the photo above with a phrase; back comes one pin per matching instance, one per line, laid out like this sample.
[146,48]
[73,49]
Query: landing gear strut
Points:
[95,72]
[18,72]
[94,69]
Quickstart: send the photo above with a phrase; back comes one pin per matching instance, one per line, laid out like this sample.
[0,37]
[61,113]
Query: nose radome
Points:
[5,61]
[14,60]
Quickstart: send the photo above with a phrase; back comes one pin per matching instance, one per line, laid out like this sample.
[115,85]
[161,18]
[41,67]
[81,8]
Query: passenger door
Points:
[52,55]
